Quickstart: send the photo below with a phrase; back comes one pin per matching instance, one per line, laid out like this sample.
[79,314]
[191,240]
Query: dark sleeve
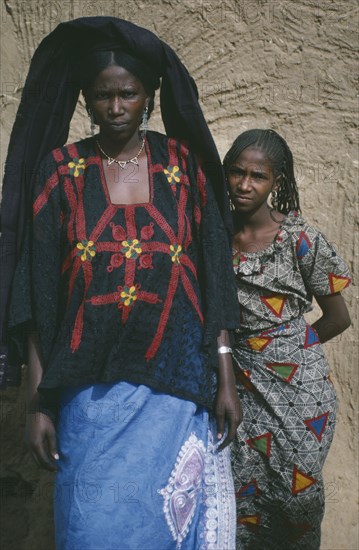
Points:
[221,306]
[35,288]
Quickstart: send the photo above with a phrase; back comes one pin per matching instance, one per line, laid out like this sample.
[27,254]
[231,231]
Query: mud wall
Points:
[286,65]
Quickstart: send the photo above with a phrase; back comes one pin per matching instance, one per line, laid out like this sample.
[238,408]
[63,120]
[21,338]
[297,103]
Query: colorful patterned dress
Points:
[288,399]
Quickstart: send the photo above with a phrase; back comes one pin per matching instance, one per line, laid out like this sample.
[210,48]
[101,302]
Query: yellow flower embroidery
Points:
[87,250]
[131,248]
[173,174]
[77,166]
[128,295]
[175,253]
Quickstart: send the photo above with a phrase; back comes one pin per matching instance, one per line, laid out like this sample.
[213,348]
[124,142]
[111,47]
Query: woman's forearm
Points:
[335,318]
[329,327]
[34,373]
[225,366]
[39,431]
[228,408]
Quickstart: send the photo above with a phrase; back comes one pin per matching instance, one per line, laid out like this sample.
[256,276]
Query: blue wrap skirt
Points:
[139,470]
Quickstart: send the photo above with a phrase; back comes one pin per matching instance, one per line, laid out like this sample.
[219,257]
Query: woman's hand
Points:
[228,408]
[40,436]
[228,411]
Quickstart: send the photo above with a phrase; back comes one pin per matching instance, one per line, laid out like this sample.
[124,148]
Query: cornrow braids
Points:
[276,149]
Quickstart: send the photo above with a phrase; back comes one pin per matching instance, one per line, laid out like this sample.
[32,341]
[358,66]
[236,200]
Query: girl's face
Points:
[250,180]
[117,99]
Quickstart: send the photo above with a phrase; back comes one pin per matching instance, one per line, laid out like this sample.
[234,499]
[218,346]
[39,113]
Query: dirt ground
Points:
[286,65]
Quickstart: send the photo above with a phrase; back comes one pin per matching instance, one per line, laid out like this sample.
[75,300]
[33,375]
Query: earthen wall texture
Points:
[286,65]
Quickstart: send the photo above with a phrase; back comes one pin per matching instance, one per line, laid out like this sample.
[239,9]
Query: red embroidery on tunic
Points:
[132,248]
[130,268]
[118,232]
[58,156]
[115,297]
[156,168]
[188,232]
[147,232]
[197,215]
[71,197]
[160,220]
[115,262]
[77,332]
[184,152]
[109,246]
[172,287]
[181,212]
[185,260]
[80,214]
[42,199]
[201,182]
[72,150]
[184,155]
[172,152]
[103,222]
[145,261]
[156,247]
[191,293]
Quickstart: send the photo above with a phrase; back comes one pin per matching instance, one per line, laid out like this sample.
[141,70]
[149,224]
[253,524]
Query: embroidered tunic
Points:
[117,289]
[288,399]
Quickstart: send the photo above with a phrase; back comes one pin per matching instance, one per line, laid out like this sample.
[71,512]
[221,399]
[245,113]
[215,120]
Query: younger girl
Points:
[288,399]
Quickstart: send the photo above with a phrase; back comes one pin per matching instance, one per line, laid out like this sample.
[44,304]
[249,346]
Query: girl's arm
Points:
[40,433]
[228,407]
[335,318]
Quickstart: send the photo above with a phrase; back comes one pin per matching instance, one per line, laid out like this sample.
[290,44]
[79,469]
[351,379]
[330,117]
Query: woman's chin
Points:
[243,206]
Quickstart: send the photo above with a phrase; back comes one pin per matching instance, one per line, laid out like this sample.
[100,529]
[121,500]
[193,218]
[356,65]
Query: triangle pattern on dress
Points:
[249,490]
[285,370]
[301,481]
[338,283]
[303,245]
[257,343]
[252,522]
[317,425]
[261,443]
[275,303]
[276,330]
[311,337]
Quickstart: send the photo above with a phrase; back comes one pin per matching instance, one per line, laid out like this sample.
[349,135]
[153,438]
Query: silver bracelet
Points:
[224,349]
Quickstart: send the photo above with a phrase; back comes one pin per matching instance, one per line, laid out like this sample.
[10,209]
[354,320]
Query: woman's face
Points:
[117,99]
[250,180]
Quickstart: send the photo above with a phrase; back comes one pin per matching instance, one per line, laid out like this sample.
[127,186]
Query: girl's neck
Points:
[255,220]
[255,231]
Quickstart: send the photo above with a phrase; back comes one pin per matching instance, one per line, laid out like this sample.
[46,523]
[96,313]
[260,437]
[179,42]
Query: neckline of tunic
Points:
[104,183]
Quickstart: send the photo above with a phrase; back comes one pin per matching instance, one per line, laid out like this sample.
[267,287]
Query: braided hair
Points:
[281,158]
